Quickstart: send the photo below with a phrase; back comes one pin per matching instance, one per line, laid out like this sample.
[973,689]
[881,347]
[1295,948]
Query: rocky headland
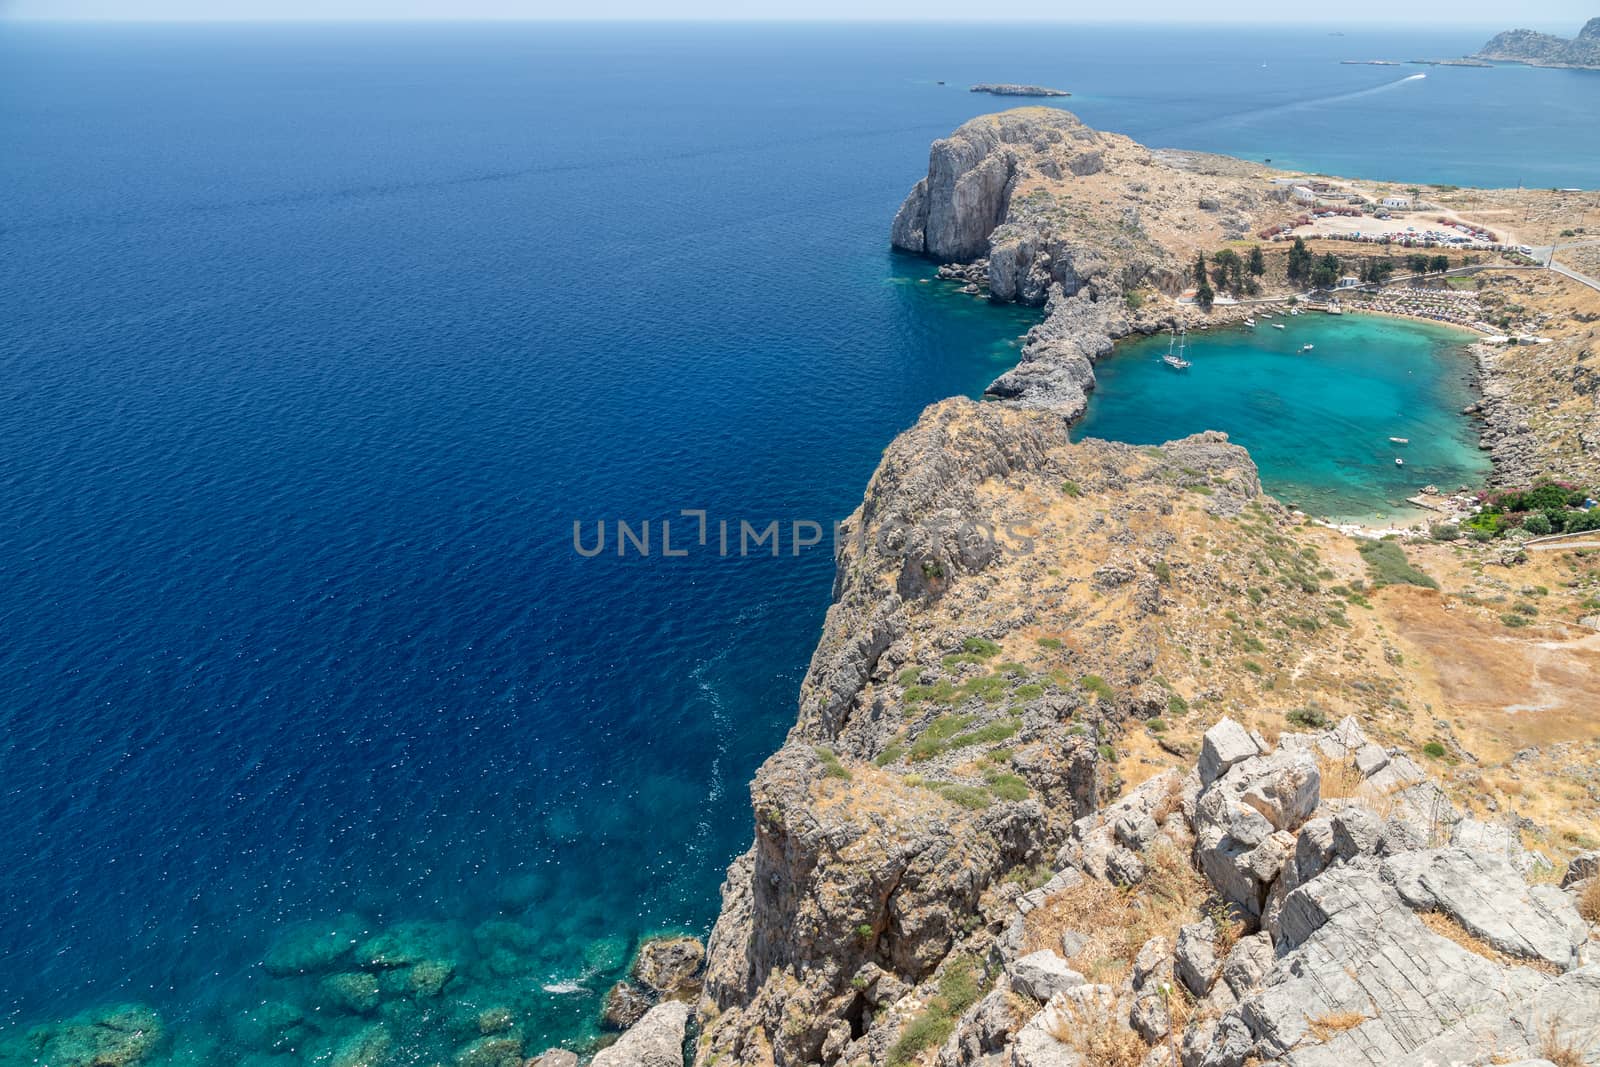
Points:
[1546,50]
[1069,783]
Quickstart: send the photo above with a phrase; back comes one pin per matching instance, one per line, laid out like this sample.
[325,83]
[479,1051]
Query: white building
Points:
[1397,201]
[1304,194]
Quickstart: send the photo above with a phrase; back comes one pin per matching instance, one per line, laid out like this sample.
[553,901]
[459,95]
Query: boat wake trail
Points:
[1244,118]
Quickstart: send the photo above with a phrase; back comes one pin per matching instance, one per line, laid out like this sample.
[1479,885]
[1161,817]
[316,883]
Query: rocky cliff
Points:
[1034,207]
[1039,807]
[1546,50]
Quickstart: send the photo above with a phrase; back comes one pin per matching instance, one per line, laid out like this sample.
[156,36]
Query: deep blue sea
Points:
[314,343]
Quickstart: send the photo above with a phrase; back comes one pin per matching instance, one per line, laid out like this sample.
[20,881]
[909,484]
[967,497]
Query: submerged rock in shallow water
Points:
[428,978]
[367,1047]
[605,955]
[355,991]
[314,948]
[124,1036]
[404,945]
[497,1051]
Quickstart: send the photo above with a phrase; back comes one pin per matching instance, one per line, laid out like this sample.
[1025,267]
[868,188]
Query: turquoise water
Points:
[316,341]
[1317,423]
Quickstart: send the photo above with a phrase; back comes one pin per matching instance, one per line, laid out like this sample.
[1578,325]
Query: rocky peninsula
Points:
[1105,757]
[1546,50]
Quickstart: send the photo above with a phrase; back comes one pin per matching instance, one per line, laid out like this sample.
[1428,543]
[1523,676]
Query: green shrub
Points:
[1156,726]
[1071,488]
[941,692]
[1007,786]
[980,646]
[990,688]
[1514,621]
[1048,642]
[864,932]
[1444,531]
[910,676]
[986,734]
[1098,687]
[968,796]
[1433,749]
[1031,877]
[1309,718]
[831,767]
[1162,571]
[1177,707]
[1387,565]
[890,754]
[959,986]
[1538,524]
[1024,694]
[1253,667]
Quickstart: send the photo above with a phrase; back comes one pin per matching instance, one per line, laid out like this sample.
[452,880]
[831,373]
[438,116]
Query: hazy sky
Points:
[1564,16]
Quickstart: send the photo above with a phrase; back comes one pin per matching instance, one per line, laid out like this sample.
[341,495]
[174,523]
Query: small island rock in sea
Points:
[1017,90]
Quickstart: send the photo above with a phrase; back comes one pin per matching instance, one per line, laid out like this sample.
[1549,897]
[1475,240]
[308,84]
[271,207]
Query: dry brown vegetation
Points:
[1118,921]
[1563,1052]
[1323,1027]
[1448,928]
[1100,1038]
[1589,901]
[1339,777]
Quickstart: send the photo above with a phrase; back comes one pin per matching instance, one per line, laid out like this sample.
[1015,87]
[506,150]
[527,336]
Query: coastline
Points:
[784,984]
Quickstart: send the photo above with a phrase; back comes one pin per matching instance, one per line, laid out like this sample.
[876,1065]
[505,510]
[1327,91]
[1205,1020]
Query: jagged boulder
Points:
[1225,744]
[1353,951]
[1041,975]
[1485,894]
[654,1041]
[1195,957]
[670,966]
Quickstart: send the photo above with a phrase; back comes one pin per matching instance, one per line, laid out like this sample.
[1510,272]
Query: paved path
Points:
[1568,272]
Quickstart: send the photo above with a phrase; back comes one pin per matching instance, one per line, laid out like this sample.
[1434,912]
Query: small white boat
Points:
[1173,359]
[1398,462]
[1250,323]
[1400,440]
[1278,326]
[1307,348]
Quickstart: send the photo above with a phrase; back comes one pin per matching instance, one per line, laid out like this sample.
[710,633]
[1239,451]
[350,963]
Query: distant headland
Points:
[1546,50]
[1017,90]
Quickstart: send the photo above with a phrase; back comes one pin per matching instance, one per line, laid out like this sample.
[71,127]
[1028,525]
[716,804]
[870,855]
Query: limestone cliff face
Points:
[1039,209]
[917,775]
[974,176]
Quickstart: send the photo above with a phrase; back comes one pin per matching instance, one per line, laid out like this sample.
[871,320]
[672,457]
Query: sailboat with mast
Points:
[1174,359]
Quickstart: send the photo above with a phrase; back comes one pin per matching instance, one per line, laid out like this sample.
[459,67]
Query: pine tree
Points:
[1200,271]
[1258,264]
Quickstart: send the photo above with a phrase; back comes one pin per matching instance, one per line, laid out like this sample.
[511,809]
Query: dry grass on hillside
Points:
[1448,928]
[1118,921]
